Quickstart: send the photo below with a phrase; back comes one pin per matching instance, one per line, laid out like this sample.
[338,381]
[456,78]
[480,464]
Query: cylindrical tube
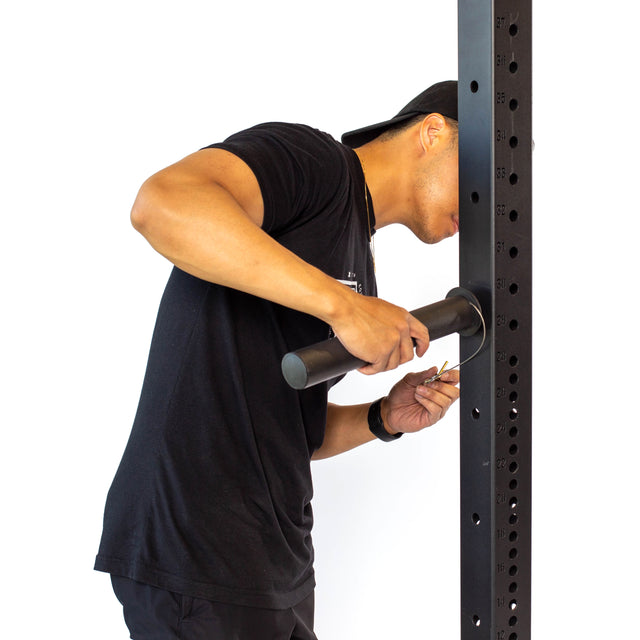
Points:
[329,359]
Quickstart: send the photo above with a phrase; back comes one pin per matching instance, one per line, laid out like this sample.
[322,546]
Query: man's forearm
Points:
[347,428]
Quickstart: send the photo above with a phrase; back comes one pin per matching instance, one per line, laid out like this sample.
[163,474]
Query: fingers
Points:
[401,349]
[386,364]
[443,389]
[420,335]
[438,391]
[414,335]
[439,395]
[414,379]
[382,334]
[452,376]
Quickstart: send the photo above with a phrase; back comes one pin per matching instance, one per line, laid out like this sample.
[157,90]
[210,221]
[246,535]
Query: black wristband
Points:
[376,424]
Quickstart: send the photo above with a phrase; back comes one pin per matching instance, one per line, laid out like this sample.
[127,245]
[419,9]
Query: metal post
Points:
[495,263]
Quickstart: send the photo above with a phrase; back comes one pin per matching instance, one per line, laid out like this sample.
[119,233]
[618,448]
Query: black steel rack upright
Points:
[495,264]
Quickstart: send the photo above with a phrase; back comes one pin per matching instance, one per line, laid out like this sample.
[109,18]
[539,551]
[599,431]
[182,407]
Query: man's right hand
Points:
[380,333]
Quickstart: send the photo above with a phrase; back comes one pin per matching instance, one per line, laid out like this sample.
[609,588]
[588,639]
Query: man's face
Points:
[435,214]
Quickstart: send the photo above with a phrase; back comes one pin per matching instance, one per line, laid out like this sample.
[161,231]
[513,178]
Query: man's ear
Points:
[432,131]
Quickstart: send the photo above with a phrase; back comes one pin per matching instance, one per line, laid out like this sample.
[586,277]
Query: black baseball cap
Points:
[440,98]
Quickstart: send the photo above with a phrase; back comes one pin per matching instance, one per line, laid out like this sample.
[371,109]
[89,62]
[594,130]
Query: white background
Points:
[97,96]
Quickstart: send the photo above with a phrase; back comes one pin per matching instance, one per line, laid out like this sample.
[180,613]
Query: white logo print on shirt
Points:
[352,283]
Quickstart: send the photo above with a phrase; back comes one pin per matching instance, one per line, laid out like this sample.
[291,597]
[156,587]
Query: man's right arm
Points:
[204,214]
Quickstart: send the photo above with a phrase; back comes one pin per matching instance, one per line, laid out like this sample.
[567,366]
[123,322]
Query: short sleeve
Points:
[298,169]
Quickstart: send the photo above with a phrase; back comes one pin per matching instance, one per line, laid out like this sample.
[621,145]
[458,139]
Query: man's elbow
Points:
[137,216]
[148,210]
[141,210]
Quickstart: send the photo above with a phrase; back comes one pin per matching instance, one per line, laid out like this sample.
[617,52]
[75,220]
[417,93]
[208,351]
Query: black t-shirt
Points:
[212,497]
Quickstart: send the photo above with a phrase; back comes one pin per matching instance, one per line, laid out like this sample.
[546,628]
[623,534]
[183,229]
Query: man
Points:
[207,530]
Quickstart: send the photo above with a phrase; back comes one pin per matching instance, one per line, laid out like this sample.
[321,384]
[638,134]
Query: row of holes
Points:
[513,485]
[513,396]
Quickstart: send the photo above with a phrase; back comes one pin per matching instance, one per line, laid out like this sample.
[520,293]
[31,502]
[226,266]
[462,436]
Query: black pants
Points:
[154,614]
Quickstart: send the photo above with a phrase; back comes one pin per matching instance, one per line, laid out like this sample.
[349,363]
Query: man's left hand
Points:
[412,406]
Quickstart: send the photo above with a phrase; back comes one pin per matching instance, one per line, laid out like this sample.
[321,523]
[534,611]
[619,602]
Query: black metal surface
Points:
[495,263]
[329,359]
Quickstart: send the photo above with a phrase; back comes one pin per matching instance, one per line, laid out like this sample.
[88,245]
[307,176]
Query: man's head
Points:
[412,164]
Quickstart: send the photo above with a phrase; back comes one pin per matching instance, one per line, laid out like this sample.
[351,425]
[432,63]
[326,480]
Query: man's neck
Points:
[386,172]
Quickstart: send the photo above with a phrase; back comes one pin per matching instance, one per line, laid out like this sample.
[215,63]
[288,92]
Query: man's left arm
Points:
[410,406]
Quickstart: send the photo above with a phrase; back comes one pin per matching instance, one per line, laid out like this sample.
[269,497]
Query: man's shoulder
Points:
[299,135]
[288,128]
[293,145]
